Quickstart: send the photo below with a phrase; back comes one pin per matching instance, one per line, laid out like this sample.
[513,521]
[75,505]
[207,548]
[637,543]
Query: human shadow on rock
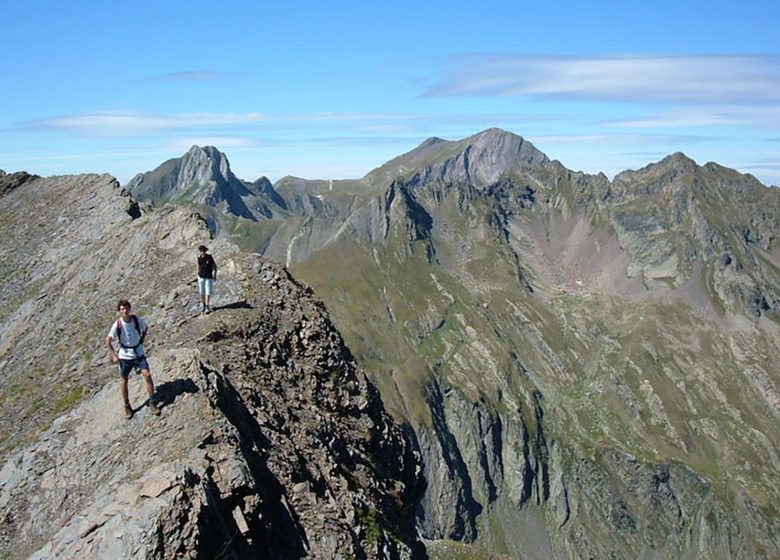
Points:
[234,305]
[167,392]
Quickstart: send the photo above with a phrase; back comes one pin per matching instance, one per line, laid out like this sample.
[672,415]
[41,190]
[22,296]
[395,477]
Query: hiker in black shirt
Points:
[207,274]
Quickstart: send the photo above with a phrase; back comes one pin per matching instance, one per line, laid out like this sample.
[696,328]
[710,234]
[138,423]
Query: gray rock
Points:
[271,442]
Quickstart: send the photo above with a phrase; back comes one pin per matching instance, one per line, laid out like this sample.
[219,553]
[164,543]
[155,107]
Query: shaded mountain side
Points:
[271,441]
[546,282]
[492,376]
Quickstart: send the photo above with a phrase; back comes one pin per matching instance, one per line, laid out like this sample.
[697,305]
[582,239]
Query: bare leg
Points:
[123,390]
[153,406]
[149,383]
[125,397]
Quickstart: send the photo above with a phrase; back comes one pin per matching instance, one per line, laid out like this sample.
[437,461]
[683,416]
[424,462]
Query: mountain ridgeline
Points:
[271,442]
[587,364]
[585,367]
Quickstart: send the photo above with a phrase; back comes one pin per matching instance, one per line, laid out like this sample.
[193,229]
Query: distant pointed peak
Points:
[208,151]
[676,158]
[671,163]
[431,142]
[495,133]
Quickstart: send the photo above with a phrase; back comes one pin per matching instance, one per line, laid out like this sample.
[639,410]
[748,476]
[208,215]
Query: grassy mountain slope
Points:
[633,320]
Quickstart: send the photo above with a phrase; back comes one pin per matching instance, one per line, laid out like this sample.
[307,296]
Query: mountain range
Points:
[586,367]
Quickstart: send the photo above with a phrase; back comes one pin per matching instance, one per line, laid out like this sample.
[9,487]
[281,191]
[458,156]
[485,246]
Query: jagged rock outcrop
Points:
[271,442]
[671,219]
[203,176]
[14,180]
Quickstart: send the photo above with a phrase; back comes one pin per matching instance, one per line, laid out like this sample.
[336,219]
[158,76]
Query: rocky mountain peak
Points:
[504,150]
[11,181]
[675,164]
[202,165]
[479,160]
[431,142]
[203,176]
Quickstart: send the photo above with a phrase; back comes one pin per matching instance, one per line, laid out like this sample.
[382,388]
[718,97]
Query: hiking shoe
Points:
[128,411]
[154,407]
[208,310]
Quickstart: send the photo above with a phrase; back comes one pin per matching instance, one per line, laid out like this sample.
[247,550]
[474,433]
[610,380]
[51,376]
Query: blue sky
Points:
[332,89]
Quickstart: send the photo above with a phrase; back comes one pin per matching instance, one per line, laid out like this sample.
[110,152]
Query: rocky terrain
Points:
[271,442]
[588,365]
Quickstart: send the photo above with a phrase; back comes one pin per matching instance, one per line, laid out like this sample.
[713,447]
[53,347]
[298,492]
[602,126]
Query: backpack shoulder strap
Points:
[141,334]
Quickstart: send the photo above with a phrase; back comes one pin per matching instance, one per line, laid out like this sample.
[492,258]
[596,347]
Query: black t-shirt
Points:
[206,266]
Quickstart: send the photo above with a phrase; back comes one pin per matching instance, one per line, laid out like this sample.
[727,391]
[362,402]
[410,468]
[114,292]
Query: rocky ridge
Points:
[203,177]
[271,441]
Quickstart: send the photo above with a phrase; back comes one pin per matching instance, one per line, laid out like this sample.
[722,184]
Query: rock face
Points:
[583,361]
[271,441]
[478,160]
[203,176]
[14,180]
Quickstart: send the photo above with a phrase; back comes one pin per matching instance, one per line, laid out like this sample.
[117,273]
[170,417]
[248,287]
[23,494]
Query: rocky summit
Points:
[203,177]
[271,442]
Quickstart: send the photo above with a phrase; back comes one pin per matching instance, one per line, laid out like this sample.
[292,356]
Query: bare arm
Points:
[111,351]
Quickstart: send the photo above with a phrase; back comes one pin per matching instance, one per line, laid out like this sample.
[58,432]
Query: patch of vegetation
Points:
[367,517]
[70,399]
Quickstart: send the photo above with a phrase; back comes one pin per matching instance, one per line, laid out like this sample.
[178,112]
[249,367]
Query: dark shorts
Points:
[139,364]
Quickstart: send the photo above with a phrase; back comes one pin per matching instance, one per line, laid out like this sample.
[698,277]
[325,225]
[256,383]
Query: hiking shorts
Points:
[139,364]
[205,286]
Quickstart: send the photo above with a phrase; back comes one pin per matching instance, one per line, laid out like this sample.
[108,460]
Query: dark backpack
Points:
[137,326]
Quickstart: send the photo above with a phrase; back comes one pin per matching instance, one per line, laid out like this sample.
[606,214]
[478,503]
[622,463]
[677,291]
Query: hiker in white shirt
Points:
[129,331]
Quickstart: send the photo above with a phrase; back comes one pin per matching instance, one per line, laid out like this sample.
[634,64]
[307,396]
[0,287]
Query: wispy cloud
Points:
[621,139]
[223,142]
[677,121]
[188,76]
[683,78]
[122,123]
[750,115]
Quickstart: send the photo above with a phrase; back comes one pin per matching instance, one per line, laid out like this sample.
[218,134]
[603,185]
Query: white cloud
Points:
[679,121]
[750,115]
[221,142]
[120,123]
[699,79]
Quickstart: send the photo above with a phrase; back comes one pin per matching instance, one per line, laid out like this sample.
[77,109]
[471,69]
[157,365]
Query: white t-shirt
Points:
[130,337]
